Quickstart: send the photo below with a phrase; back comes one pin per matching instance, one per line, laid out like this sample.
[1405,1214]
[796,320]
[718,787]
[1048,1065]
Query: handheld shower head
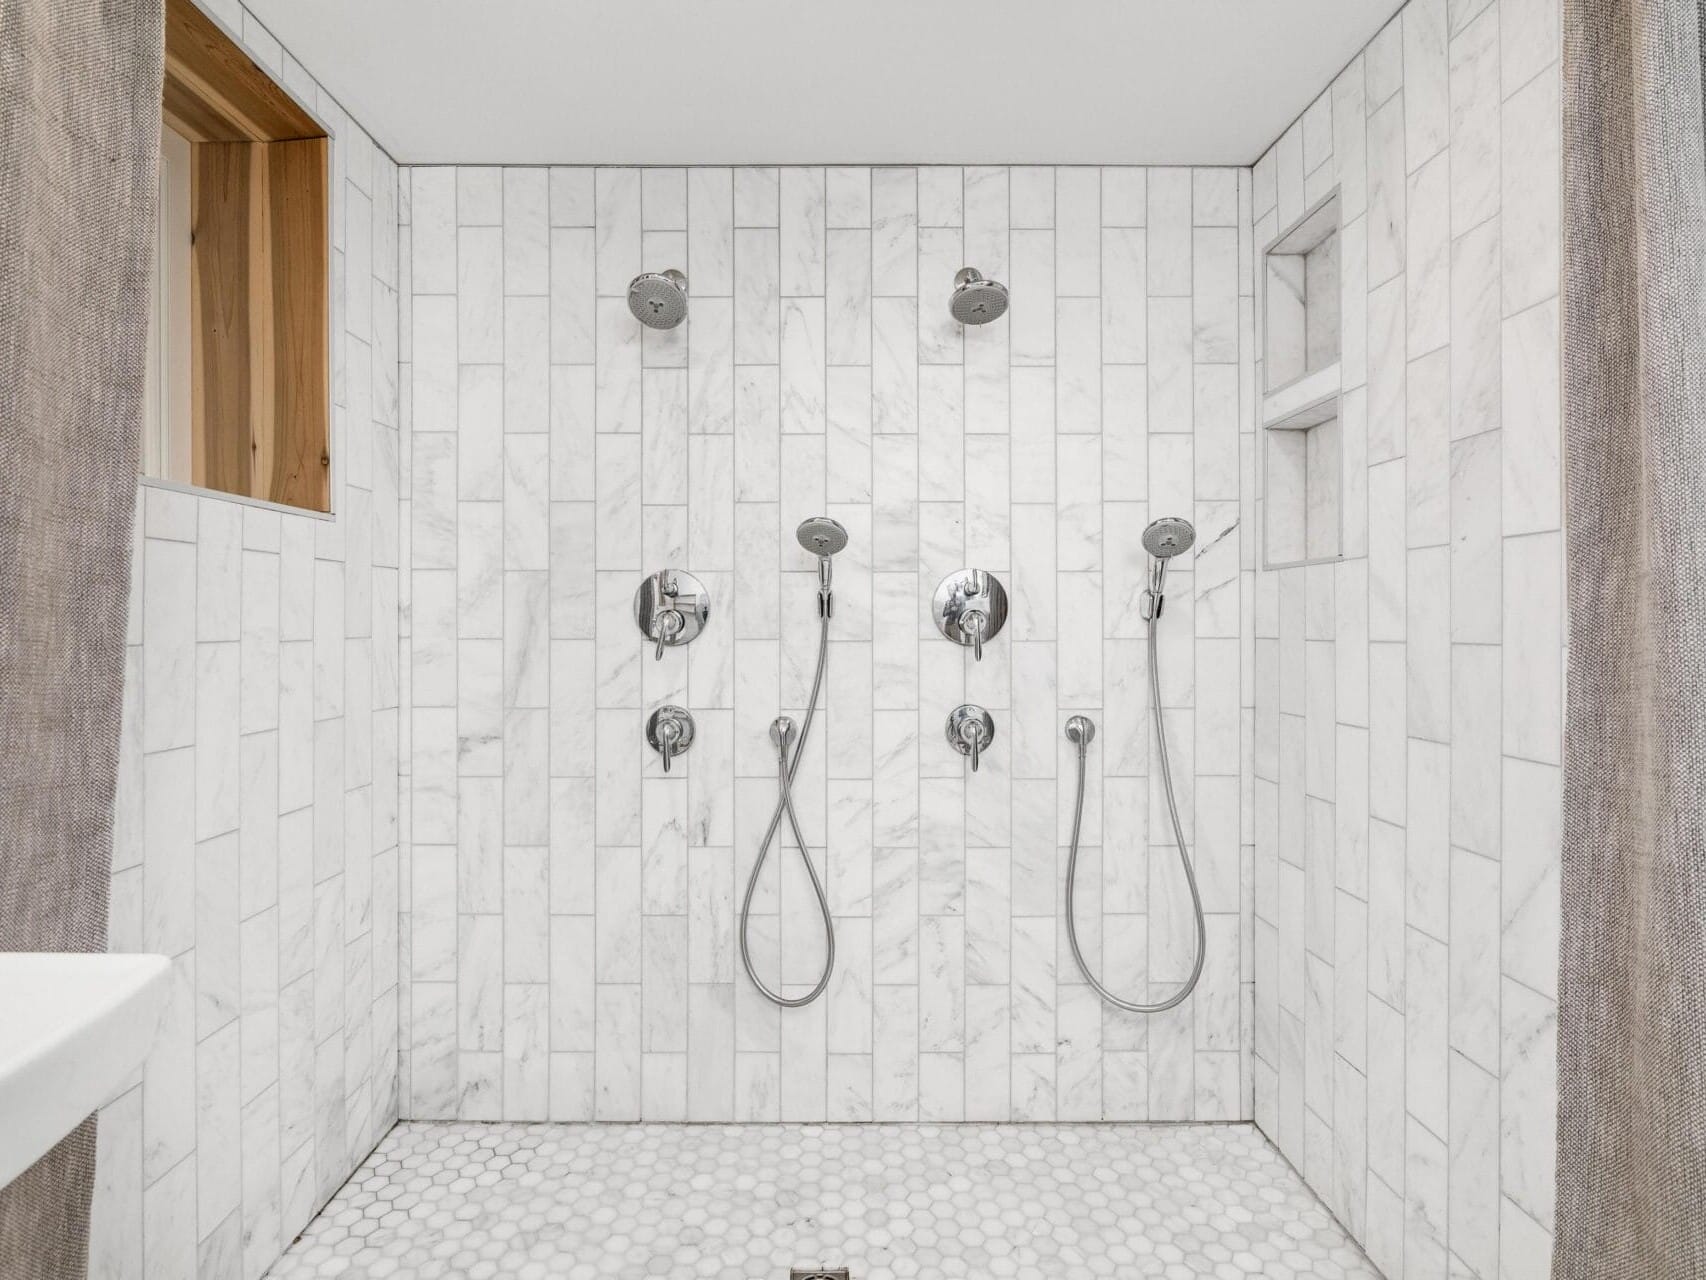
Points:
[822,537]
[1163,539]
[1169,536]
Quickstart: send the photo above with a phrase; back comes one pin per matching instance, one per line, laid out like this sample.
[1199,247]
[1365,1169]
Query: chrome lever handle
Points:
[669,732]
[974,623]
[970,729]
[671,608]
[669,626]
[969,607]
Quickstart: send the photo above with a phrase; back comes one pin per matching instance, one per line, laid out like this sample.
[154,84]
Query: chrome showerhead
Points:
[821,536]
[658,299]
[1163,539]
[1169,536]
[976,300]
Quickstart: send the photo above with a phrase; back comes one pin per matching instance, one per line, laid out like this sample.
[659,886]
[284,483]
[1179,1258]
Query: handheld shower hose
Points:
[824,537]
[1164,539]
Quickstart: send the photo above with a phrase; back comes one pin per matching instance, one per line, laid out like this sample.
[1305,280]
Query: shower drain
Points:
[820,1273]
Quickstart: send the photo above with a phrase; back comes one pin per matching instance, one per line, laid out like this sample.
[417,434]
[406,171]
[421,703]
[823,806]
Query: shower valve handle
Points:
[973,622]
[669,626]
[970,607]
[670,732]
[970,731]
[671,608]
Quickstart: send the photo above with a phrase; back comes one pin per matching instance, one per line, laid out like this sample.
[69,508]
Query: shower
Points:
[658,299]
[976,300]
[1163,539]
[823,538]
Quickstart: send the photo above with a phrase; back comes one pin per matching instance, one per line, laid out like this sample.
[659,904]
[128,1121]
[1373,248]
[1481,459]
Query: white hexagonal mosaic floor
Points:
[887,1201]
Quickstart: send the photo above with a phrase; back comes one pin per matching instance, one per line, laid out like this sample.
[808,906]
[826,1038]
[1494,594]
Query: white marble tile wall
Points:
[570,910]
[256,836]
[1408,697]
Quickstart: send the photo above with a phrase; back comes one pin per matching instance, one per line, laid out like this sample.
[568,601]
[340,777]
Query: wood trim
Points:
[220,238]
[214,92]
[262,349]
[260,254]
[259,277]
[297,468]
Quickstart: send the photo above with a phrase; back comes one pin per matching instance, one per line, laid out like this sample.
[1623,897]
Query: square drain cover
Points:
[820,1273]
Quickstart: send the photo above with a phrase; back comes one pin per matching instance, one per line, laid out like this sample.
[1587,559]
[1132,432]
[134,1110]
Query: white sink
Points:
[72,1029]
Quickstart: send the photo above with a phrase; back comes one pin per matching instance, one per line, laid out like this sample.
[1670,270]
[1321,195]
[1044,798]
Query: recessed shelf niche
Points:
[1302,460]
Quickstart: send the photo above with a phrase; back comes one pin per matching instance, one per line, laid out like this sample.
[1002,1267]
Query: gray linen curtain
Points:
[1631,1167]
[80,84]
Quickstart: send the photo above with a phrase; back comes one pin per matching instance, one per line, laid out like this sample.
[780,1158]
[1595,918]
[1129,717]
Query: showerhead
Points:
[976,300]
[1168,537]
[1163,539]
[821,536]
[658,299]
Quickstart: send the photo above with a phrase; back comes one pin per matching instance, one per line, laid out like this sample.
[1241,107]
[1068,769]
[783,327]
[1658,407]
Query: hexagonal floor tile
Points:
[747,1202]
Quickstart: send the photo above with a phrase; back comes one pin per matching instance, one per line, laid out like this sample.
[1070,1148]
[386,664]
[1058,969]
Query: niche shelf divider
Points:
[1302,462]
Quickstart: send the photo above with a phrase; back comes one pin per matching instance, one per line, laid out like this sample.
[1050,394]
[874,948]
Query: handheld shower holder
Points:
[825,587]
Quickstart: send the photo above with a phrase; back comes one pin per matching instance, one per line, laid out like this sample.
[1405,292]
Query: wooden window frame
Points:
[260,273]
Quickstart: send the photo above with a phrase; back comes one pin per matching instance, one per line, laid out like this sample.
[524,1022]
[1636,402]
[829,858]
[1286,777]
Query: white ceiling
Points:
[821,81]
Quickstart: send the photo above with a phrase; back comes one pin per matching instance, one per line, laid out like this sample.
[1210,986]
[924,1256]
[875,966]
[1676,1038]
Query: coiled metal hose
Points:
[781,731]
[1080,729]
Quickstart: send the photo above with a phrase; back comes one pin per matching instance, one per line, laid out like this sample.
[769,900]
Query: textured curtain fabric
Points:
[1631,1168]
[80,84]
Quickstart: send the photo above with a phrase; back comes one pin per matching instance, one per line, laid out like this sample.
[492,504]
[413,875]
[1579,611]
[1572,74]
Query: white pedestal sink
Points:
[72,1029]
